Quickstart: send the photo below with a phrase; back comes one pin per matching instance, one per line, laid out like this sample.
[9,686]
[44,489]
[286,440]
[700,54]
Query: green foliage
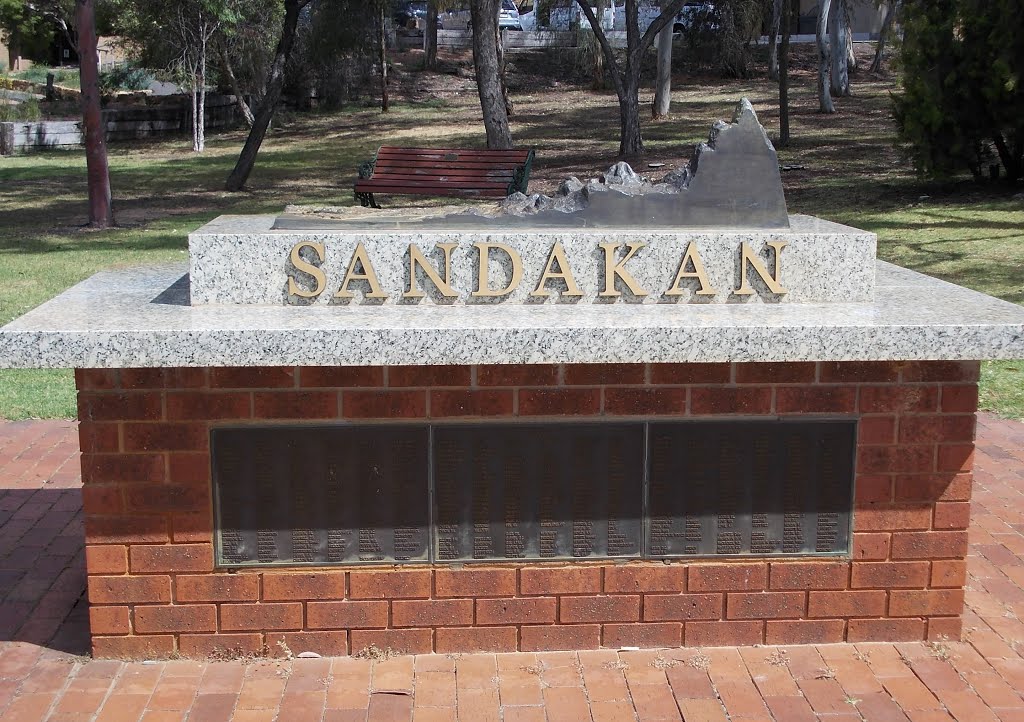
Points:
[67,77]
[962,100]
[126,77]
[28,29]
[26,111]
[336,50]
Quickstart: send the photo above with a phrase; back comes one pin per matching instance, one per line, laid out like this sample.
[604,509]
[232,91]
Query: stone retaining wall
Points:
[154,590]
[125,123]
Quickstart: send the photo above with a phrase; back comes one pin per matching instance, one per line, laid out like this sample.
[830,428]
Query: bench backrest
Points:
[441,171]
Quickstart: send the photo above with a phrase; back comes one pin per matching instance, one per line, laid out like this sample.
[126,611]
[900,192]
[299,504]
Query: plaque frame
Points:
[845,522]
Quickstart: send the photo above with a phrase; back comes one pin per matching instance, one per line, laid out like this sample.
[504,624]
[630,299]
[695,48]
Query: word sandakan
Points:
[307,278]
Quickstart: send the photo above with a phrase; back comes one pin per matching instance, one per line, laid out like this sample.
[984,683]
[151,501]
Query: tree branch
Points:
[659,23]
[606,47]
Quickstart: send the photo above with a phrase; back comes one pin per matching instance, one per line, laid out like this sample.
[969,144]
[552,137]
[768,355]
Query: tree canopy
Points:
[962,100]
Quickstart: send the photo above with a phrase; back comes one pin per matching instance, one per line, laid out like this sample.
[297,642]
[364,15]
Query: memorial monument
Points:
[632,414]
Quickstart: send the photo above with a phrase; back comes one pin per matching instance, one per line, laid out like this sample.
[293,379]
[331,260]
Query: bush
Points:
[25,112]
[962,100]
[61,76]
[126,77]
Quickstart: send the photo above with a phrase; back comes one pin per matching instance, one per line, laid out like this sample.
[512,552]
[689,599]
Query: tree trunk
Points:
[837,37]
[890,17]
[825,104]
[505,97]
[598,69]
[194,97]
[430,37]
[663,83]
[851,57]
[382,49]
[631,142]
[201,82]
[773,38]
[229,71]
[484,14]
[786,12]
[627,79]
[101,212]
[275,83]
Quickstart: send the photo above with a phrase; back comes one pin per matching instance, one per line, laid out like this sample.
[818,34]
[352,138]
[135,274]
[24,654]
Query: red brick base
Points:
[154,591]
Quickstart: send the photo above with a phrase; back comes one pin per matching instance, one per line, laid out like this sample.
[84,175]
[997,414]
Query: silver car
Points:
[508,16]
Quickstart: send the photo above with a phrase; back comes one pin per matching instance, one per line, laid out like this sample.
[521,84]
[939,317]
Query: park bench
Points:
[443,172]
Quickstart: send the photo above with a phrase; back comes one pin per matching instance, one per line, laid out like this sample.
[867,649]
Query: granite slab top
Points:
[140,317]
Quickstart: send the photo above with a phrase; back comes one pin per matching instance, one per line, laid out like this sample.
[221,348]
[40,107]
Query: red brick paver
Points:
[46,675]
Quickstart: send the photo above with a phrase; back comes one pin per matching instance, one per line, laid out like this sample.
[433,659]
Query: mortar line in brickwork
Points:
[473,376]
[385,382]
[732,373]
[560,377]
[817,372]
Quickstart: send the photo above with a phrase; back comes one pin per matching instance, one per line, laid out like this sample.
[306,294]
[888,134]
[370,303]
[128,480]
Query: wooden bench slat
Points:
[515,154]
[446,166]
[444,172]
[397,160]
[454,167]
[377,185]
[442,191]
[472,160]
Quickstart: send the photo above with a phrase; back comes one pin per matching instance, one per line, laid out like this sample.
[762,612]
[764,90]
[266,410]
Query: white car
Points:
[508,16]
[459,19]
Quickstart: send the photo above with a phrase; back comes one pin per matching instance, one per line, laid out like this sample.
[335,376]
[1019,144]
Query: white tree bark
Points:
[825,104]
[204,39]
[773,39]
[839,34]
[663,84]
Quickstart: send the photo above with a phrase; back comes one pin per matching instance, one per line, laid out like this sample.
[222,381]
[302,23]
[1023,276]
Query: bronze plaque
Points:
[321,494]
[760,488]
[538,491]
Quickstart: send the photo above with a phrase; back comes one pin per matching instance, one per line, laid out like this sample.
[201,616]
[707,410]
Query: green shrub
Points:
[24,112]
[126,77]
[962,100]
[61,76]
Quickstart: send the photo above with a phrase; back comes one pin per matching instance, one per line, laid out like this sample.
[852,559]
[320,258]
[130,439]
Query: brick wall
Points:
[154,591]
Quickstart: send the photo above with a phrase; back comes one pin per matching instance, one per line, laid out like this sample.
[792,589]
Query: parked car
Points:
[508,16]
[459,19]
[693,15]
[407,13]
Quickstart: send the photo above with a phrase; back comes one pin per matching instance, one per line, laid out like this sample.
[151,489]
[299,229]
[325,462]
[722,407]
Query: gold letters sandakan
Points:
[556,269]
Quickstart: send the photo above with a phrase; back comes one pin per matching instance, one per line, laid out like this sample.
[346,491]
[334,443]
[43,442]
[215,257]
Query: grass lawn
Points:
[850,173]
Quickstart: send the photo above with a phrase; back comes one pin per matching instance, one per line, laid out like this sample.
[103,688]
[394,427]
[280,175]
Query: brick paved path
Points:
[44,635]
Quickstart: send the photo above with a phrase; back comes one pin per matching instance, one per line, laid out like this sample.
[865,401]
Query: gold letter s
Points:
[301,265]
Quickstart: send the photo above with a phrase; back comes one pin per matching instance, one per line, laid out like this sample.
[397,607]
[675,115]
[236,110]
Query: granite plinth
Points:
[140,317]
[244,260]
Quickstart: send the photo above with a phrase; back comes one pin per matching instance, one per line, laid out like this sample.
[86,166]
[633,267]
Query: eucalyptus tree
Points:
[825,104]
[626,74]
[487,64]
[275,84]
[101,212]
